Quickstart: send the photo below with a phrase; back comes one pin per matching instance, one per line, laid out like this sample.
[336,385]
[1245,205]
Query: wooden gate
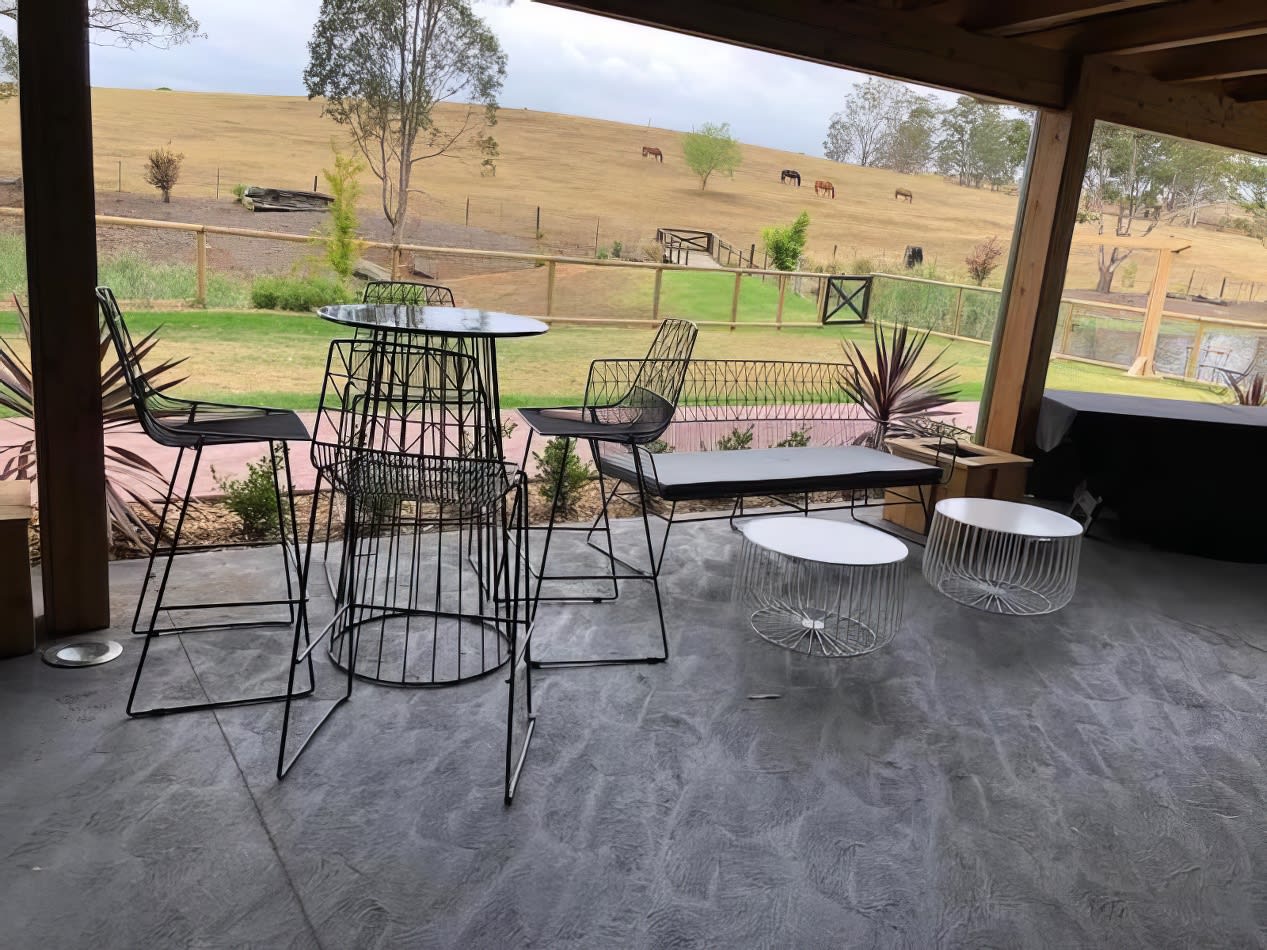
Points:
[846,300]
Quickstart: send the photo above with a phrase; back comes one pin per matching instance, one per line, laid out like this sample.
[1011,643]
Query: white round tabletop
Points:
[1009,517]
[827,542]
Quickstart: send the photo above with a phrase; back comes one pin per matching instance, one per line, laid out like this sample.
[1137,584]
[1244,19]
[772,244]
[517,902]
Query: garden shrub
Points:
[253,498]
[575,474]
[296,293]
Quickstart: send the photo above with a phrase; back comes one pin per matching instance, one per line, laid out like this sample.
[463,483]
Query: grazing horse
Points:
[903,193]
[824,188]
[653,152]
[790,174]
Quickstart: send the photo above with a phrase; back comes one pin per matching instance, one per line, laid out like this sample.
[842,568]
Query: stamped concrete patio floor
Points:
[1093,778]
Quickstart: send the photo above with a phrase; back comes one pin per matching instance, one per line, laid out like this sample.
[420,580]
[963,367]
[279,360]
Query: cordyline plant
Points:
[898,394]
[1249,392]
[130,479]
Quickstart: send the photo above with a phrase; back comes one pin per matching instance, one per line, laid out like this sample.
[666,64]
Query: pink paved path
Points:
[231,460]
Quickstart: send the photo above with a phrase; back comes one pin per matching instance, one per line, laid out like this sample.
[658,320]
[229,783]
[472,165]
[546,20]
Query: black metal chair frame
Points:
[193,425]
[627,403]
[408,425]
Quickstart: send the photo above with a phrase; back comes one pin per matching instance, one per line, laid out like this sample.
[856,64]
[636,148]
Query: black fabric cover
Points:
[688,476]
[1182,475]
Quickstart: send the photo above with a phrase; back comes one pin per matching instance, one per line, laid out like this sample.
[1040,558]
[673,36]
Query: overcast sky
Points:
[559,61]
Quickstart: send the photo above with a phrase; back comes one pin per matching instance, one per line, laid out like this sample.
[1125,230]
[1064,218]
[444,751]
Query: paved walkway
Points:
[231,460]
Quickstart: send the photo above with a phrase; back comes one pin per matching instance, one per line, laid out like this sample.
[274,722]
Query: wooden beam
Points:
[1228,59]
[1027,16]
[1141,102]
[1158,28]
[61,264]
[1035,277]
[855,35]
[1145,354]
[1252,89]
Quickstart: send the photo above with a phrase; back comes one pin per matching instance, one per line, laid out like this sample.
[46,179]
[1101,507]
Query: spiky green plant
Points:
[130,478]
[895,390]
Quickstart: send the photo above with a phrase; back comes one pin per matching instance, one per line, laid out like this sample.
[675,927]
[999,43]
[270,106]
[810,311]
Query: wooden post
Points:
[61,267]
[958,312]
[1193,365]
[778,313]
[1064,337]
[200,265]
[734,300]
[1030,303]
[549,288]
[1144,365]
[468,211]
[655,294]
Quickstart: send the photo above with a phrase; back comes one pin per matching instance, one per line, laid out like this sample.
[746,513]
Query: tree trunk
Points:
[167,196]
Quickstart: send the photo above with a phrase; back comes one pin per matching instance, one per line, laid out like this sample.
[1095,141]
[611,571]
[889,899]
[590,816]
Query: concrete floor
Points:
[1094,778]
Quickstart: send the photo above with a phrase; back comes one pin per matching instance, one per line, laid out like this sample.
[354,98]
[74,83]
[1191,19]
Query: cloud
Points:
[559,61]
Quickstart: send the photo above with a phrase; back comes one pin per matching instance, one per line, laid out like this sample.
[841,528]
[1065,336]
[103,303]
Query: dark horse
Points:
[653,152]
[790,174]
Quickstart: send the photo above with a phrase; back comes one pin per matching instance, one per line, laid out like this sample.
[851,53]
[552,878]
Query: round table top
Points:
[432,321]
[827,542]
[1009,517]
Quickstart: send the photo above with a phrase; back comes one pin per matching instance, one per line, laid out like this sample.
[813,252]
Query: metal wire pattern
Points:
[408,292]
[820,609]
[998,571]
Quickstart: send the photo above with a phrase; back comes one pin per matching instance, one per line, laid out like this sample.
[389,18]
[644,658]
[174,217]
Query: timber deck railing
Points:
[1099,333]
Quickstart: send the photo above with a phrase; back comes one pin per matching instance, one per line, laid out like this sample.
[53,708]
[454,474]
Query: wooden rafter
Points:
[1252,89]
[1225,60]
[1028,16]
[1162,27]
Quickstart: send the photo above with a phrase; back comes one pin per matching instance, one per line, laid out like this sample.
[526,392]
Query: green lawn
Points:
[707,294]
[279,358]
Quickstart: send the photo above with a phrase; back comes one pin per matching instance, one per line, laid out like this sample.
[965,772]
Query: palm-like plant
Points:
[130,479]
[898,393]
[1249,392]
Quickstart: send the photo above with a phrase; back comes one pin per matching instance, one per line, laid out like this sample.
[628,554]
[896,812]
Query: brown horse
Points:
[653,152]
[824,188]
[903,193]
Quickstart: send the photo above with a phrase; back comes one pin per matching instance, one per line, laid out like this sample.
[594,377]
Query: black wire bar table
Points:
[428,581]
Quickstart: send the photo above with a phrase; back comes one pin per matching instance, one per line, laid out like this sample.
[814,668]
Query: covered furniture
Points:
[822,588]
[192,426]
[1178,474]
[1002,556]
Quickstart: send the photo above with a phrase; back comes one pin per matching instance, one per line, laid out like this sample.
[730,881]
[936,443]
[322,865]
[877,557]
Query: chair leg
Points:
[152,633]
[520,647]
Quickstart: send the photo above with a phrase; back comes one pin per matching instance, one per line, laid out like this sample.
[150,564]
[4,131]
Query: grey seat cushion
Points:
[686,476]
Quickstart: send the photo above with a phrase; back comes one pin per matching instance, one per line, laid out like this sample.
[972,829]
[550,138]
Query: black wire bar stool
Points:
[408,293]
[192,426]
[403,434]
[627,406]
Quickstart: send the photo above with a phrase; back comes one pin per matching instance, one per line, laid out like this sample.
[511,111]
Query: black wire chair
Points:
[410,293]
[192,426]
[431,587]
[628,403]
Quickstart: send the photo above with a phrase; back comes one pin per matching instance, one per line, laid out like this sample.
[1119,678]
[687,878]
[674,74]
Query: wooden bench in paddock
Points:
[17,616]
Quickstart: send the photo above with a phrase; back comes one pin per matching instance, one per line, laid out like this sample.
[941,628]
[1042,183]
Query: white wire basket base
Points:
[998,572]
[814,632]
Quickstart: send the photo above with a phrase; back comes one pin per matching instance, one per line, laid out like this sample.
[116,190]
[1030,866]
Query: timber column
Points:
[61,265]
[1036,275]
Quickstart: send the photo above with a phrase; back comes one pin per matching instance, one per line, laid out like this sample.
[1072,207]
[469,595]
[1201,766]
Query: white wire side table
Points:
[1002,556]
[821,588]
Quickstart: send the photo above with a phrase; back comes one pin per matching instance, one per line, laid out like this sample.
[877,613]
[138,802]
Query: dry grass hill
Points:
[588,173]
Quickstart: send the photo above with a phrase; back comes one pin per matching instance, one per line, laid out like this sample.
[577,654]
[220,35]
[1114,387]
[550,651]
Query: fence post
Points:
[597,224]
[120,174]
[550,288]
[1194,355]
[468,211]
[537,234]
[1064,337]
[200,265]
[217,181]
[655,294]
[778,313]
[958,312]
[734,300]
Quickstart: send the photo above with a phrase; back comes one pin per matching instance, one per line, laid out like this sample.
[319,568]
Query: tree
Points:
[785,244]
[711,149]
[883,123]
[383,66]
[160,23]
[983,259]
[1124,168]
[342,246]
[980,144]
[163,170]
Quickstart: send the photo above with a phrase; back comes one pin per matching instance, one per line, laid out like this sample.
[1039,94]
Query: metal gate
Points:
[847,299]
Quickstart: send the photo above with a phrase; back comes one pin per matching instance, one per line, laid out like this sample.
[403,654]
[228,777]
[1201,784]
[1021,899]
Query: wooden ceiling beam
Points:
[1027,16]
[1158,28]
[1251,89]
[1226,60]
[856,35]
